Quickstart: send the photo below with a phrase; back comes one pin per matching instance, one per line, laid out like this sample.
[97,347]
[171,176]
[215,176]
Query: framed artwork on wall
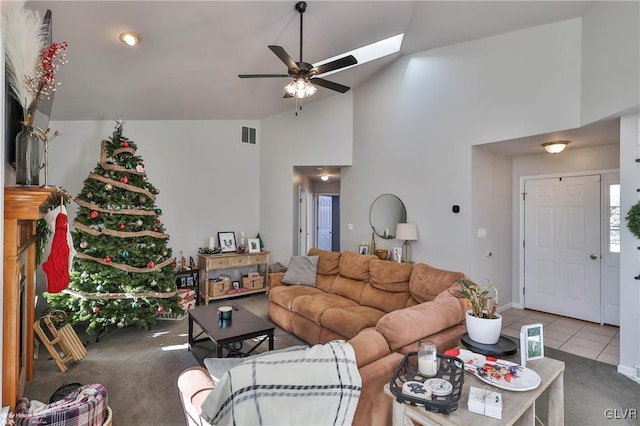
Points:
[227,241]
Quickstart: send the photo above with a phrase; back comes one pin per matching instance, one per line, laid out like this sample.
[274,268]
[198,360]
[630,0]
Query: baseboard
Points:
[628,371]
[508,306]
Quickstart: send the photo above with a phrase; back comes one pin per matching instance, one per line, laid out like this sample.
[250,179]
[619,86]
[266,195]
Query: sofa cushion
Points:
[369,345]
[285,295]
[302,270]
[428,282]
[355,266]
[312,306]
[390,276]
[384,300]
[328,261]
[350,321]
[407,325]
[349,288]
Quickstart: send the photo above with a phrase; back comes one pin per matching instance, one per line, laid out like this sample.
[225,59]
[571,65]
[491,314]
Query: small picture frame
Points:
[363,249]
[253,245]
[227,241]
[235,285]
[531,343]
[397,254]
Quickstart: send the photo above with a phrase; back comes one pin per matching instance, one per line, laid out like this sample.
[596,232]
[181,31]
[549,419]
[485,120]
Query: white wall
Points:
[415,124]
[322,134]
[611,59]
[208,180]
[629,265]
[491,187]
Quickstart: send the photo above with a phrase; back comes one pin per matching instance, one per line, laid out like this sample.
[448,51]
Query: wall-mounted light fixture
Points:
[131,38]
[555,147]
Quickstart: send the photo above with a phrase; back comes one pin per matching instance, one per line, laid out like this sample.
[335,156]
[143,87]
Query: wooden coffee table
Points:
[242,326]
[518,407]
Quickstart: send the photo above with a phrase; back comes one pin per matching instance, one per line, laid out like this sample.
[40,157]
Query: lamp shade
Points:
[406,231]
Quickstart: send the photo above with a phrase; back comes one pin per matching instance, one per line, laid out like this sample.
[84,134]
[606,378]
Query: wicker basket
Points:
[218,288]
[253,283]
[449,368]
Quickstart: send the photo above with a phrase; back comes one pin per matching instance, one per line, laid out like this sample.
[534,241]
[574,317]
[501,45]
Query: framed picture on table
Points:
[531,343]
[227,241]
[254,245]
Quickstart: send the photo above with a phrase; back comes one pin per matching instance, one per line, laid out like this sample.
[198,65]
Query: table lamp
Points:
[407,232]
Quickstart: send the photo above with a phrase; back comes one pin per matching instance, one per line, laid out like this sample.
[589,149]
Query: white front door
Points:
[562,246]
[325,211]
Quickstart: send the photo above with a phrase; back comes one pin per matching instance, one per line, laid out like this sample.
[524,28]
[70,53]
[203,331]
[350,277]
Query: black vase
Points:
[27,158]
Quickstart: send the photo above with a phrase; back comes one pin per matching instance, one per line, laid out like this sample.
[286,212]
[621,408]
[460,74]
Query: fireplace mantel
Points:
[22,207]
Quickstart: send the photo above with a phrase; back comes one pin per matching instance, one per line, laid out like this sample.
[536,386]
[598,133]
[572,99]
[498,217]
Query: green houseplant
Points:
[483,323]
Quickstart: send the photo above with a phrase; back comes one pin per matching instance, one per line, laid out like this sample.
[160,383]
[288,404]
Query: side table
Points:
[517,407]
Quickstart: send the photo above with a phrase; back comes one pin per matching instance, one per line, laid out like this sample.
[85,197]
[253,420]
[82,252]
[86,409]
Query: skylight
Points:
[368,53]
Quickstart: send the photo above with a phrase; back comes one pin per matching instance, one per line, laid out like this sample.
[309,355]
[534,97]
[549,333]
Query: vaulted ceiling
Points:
[187,65]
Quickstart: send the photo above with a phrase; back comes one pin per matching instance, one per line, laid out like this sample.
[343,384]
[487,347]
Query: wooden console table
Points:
[211,262]
[21,210]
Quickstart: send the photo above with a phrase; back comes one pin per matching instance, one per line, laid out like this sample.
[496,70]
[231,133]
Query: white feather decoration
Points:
[25,35]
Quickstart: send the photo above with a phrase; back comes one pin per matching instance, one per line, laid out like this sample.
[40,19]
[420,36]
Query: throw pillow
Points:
[302,270]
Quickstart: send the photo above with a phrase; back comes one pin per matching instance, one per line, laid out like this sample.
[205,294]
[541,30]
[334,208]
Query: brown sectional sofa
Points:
[382,308]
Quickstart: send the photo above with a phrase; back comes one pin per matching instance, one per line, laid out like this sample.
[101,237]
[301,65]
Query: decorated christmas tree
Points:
[123,270]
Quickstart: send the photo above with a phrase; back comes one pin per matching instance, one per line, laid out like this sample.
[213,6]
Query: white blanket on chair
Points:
[318,385]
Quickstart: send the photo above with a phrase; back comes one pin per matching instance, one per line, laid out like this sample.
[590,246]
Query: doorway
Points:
[571,231]
[328,223]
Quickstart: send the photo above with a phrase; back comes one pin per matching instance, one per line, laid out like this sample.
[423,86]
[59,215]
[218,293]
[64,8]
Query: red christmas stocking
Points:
[57,265]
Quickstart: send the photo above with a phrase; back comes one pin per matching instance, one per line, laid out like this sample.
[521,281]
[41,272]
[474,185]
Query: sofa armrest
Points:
[411,324]
[275,280]
[194,385]
[369,346]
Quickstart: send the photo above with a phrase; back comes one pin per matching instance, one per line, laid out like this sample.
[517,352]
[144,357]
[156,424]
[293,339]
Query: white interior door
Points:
[562,246]
[303,222]
[325,212]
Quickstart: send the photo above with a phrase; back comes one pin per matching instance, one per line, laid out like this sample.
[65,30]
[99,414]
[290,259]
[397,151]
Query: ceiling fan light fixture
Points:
[555,147]
[300,88]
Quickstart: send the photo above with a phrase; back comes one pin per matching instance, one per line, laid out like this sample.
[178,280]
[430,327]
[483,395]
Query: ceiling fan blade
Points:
[343,62]
[330,85]
[262,75]
[284,57]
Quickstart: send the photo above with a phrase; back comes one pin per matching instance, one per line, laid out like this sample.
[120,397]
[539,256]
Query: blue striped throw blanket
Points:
[317,385]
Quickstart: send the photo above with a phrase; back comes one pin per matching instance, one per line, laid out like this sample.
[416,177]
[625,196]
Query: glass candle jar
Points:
[427,359]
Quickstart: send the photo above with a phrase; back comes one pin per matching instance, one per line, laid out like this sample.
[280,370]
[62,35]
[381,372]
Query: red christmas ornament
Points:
[94,214]
[157,220]
[125,144]
[151,264]
[124,179]
[107,259]
[122,226]
[155,229]
[160,309]
[96,309]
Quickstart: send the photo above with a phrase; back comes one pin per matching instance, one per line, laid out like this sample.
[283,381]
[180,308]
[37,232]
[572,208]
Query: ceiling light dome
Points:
[555,147]
[131,38]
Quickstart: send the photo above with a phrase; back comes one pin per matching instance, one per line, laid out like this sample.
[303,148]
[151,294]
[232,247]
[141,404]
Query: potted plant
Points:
[483,323]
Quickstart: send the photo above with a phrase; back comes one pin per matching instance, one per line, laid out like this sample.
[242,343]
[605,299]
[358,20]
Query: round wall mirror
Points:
[386,212]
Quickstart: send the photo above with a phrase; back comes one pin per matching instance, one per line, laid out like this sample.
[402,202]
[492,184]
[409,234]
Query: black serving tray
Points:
[449,368]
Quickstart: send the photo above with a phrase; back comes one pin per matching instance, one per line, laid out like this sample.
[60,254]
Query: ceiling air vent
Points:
[248,135]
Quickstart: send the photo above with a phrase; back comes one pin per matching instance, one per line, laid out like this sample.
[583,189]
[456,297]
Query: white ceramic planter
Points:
[483,330]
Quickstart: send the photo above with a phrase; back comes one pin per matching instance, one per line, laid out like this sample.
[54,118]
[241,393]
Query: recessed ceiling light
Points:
[131,38]
[368,53]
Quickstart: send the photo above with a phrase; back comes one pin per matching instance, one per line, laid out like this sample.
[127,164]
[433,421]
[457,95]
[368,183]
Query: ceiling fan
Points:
[304,74]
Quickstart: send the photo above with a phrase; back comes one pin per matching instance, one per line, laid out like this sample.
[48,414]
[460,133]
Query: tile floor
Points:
[583,338]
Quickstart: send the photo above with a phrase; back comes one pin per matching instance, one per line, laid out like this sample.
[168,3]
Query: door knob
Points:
[593,256]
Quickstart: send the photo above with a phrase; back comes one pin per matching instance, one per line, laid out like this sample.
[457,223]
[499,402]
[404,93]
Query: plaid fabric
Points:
[319,385]
[85,406]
